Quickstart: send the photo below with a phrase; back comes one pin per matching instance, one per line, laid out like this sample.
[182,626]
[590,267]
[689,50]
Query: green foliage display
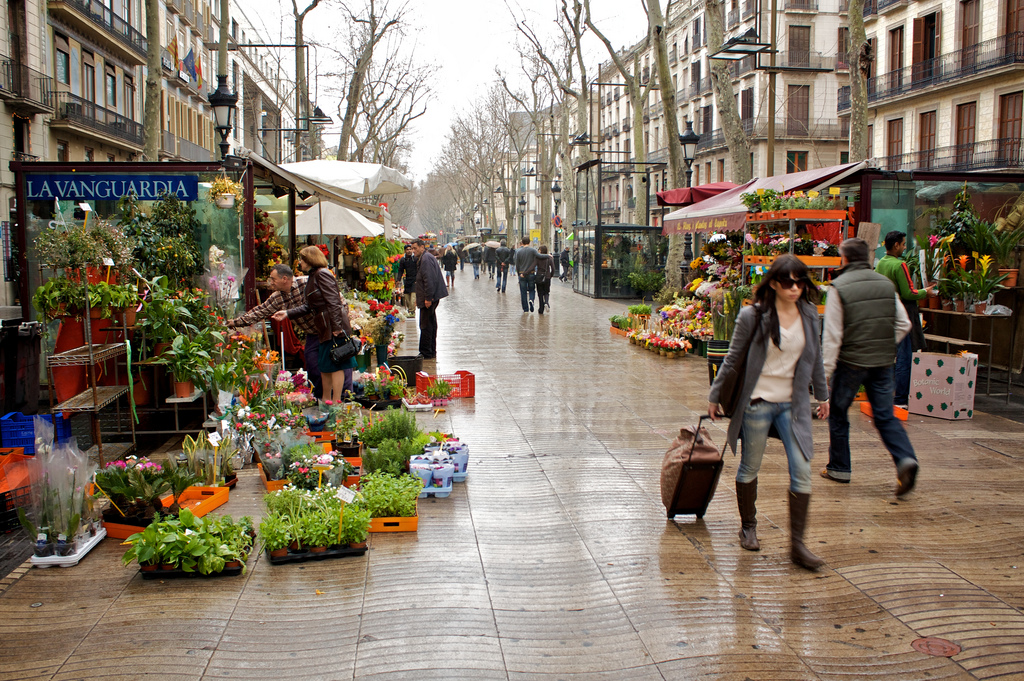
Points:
[166,241]
[390,496]
[394,424]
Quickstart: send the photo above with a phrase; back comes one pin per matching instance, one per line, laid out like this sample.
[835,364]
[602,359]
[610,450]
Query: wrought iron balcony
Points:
[989,154]
[889,5]
[844,99]
[191,151]
[749,9]
[950,68]
[802,5]
[732,17]
[25,89]
[190,13]
[821,129]
[168,143]
[870,9]
[740,67]
[103,17]
[81,113]
[801,59]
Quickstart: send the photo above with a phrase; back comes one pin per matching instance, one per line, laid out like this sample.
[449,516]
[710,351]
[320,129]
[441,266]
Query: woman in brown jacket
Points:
[330,316]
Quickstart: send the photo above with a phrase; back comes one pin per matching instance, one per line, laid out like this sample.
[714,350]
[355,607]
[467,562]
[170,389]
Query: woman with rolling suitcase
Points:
[774,358]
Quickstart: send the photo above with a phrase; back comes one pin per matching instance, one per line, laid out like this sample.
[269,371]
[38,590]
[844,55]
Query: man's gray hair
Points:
[283,270]
[855,250]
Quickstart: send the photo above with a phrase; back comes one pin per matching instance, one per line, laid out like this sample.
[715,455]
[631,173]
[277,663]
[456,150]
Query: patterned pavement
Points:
[555,560]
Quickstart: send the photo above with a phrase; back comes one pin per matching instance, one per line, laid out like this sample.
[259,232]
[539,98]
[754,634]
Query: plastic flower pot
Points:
[183,388]
[224,200]
[423,472]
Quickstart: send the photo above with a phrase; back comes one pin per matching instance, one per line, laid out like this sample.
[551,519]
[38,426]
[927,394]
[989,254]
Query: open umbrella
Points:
[335,220]
[472,246]
[492,244]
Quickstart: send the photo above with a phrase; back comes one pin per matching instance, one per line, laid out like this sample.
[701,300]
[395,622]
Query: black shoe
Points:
[531,306]
[906,476]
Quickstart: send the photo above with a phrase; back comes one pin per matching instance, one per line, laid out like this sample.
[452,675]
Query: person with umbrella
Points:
[475,257]
[490,257]
[449,261]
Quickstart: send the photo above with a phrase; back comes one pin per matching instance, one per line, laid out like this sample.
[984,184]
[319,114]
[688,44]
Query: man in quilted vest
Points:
[864,322]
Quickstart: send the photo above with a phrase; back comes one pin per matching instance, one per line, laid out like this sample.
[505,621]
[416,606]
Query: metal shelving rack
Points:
[95,397]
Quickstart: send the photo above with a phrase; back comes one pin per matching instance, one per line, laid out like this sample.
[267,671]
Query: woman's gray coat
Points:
[809,372]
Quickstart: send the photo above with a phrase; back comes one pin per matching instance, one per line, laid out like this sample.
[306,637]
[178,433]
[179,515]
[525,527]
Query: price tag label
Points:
[834,191]
[214,439]
[108,262]
[760,192]
[346,494]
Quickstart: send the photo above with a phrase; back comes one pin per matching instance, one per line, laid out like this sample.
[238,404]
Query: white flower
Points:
[716,237]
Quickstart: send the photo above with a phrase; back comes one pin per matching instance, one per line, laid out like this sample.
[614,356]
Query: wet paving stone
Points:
[555,559]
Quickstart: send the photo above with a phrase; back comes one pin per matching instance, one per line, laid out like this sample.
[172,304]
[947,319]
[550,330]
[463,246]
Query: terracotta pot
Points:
[1011,276]
[318,549]
[979,308]
[357,545]
[279,553]
[141,392]
[960,305]
[183,389]
[232,564]
[933,302]
[129,314]
[168,566]
[947,305]
[149,567]
[96,312]
[159,348]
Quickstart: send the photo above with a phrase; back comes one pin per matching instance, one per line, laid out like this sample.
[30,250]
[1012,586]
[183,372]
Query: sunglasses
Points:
[789,283]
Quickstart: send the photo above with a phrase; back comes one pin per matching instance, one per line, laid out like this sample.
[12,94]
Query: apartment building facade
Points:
[811,41]
[946,91]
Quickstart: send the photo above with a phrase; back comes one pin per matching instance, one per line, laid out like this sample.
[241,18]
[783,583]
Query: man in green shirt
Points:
[893,266]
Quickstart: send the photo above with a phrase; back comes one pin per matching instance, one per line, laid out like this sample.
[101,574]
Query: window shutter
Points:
[917,55]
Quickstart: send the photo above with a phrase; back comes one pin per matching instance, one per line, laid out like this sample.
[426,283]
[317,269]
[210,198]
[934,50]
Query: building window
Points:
[696,174]
[707,123]
[843,47]
[62,151]
[747,104]
[799,46]
[871,141]
[62,63]
[721,170]
[129,97]
[798,112]
[966,124]
[844,157]
[926,139]
[110,158]
[707,171]
[894,143]
[111,88]
[796,161]
[88,77]
[89,156]
[1011,107]
[969,31]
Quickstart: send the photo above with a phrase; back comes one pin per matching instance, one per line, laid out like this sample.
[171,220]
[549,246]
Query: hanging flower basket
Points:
[224,200]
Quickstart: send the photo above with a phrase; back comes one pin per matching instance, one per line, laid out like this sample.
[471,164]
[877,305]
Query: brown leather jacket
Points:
[330,313]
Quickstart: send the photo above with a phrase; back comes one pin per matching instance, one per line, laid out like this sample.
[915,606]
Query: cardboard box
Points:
[943,385]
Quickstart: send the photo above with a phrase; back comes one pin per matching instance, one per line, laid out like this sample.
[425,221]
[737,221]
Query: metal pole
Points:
[771,92]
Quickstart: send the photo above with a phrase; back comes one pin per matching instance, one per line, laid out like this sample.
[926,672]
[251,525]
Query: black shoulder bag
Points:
[345,348]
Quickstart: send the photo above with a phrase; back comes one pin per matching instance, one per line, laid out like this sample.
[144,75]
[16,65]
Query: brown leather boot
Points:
[801,555]
[746,496]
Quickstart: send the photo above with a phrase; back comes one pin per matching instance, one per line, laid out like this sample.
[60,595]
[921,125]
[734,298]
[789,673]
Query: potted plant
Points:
[189,361]
[143,548]
[355,526]
[225,191]
[984,281]
[58,297]
[1004,247]
[439,392]
[274,533]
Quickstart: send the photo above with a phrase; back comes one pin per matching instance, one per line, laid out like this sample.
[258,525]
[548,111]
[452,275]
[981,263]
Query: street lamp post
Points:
[689,140]
[522,217]
[223,102]
[556,192]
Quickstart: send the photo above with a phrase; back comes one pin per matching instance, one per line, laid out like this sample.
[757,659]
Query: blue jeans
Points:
[877,381]
[476,270]
[527,284]
[757,421]
[502,277]
[904,355]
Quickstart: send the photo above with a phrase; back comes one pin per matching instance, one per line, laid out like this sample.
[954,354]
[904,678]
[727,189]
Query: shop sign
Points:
[96,187]
[730,222]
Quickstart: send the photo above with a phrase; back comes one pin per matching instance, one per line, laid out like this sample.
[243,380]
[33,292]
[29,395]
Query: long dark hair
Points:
[785,266]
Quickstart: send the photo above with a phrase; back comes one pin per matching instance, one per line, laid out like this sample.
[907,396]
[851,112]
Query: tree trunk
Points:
[725,99]
[301,98]
[860,66]
[151,107]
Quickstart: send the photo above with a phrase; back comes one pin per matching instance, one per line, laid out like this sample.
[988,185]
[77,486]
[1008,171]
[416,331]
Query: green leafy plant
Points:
[189,359]
[387,457]
[639,310]
[58,297]
[1004,245]
[274,533]
[389,496]
[355,524]
[439,389]
[394,424]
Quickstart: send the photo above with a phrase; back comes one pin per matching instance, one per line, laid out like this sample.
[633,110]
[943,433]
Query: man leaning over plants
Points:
[287,294]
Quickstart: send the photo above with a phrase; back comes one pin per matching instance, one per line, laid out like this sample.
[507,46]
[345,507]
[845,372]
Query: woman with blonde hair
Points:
[330,317]
[449,261]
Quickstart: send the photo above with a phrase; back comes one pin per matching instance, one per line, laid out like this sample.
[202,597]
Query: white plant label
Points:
[214,439]
[346,494]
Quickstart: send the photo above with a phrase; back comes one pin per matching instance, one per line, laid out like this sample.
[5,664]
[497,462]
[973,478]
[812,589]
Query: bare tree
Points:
[725,98]
[151,104]
[859,58]
[301,86]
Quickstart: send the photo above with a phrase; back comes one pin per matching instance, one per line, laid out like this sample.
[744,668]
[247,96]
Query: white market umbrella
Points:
[352,179]
[330,218]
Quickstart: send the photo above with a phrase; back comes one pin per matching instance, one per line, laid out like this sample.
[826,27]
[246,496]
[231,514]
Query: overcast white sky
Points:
[466,40]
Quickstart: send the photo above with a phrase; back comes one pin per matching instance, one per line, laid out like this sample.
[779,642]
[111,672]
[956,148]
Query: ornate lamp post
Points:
[223,102]
[522,217]
[689,140]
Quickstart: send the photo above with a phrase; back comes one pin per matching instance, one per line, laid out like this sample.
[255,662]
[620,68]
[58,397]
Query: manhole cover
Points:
[937,647]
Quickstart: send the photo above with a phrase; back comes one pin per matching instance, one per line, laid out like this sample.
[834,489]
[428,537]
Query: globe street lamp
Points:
[522,217]
[689,139]
[223,102]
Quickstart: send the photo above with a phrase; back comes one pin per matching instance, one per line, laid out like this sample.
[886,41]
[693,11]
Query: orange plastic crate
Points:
[901,414]
[463,383]
[199,500]
[395,524]
[271,485]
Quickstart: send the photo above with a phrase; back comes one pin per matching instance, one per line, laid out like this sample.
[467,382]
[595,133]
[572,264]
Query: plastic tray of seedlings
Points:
[296,556]
[159,573]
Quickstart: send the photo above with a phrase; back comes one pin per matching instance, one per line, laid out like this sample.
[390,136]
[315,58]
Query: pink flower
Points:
[932,240]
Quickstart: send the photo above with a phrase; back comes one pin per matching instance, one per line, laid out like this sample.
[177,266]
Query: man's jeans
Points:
[877,381]
[904,355]
[757,421]
[476,270]
[312,362]
[502,277]
[527,283]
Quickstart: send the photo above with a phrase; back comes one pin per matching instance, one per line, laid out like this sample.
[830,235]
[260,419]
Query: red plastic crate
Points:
[463,382]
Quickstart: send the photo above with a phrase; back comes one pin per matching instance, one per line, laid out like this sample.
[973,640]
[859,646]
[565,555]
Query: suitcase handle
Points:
[697,435]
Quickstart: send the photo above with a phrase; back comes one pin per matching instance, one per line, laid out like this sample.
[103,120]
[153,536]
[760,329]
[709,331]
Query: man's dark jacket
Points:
[407,270]
[429,280]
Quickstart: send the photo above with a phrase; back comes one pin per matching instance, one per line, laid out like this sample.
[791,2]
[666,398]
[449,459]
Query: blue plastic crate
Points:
[16,430]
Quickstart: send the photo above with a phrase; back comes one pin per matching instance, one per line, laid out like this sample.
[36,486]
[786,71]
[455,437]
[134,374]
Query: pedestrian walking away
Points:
[504,258]
[864,322]
[330,318]
[526,264]
[449,261]
[563,260]
[407,273]
[430,289]
[545,271]
[893,266]
[460,251]
[773,359]
[474,259]
[287,294]
[490,259]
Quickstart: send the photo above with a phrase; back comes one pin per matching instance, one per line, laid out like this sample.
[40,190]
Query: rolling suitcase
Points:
[690,471]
